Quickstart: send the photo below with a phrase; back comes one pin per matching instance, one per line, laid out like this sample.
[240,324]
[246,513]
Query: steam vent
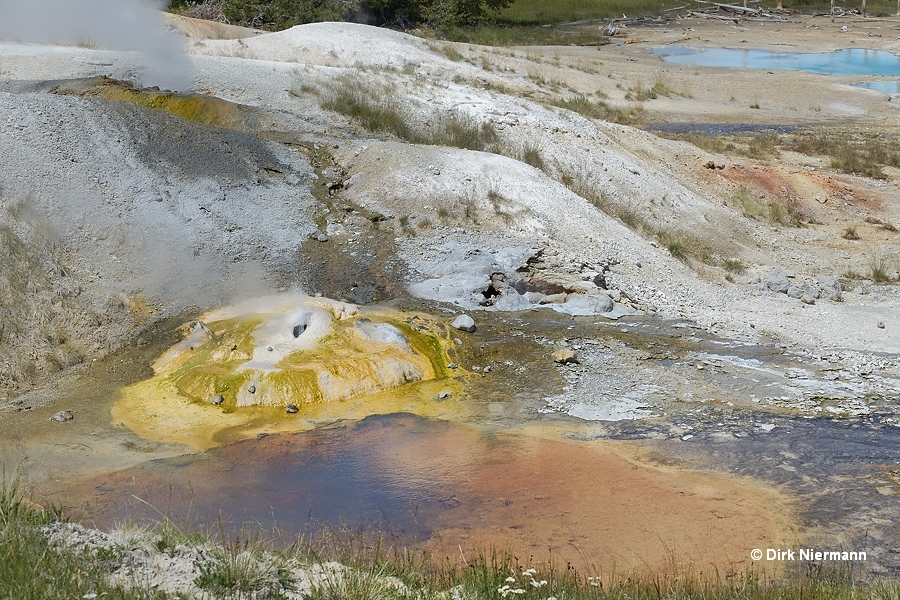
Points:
[283,351]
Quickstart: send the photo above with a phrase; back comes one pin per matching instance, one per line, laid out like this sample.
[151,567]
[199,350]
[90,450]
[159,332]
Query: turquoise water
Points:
[850,61]
[888,87]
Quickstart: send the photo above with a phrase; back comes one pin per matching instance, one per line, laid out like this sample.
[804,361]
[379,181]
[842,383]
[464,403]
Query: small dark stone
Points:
[298,329]
[444,395]
[218,399]
[252,389]
[291,409]
[451,366]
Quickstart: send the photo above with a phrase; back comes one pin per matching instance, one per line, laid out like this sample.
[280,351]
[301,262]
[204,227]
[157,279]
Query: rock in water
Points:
[464,323]
[291,409]
[218,399]
[63,416]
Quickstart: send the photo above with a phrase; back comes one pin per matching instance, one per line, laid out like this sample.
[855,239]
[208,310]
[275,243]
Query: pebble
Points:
[444,395]
[63,416]
[291,409]
[252,389]
[218,399]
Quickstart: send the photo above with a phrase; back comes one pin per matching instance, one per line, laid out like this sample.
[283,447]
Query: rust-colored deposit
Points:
[596,504]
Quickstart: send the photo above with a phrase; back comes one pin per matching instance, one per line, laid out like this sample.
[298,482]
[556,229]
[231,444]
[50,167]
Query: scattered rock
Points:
[291,409]
[252,389]
[564,357]
[444,395]
[452,366]
[829,286]
[487,369]
[880,324]
[217,399]
[63,416]
[777,280]
[807,299]
[464,323]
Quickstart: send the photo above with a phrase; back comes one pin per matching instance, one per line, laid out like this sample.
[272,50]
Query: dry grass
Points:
[776,211]
[380,111]
[601,110]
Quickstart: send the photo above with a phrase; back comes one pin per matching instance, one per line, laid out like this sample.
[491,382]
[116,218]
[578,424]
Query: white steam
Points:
[134,25]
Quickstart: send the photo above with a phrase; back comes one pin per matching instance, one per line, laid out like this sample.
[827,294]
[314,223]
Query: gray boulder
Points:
[464,323]
[830,287]
[777,281]
[512,301]
[584,305]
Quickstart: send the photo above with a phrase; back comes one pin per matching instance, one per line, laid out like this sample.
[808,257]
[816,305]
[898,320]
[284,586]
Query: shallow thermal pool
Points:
[888,87]
[849,61]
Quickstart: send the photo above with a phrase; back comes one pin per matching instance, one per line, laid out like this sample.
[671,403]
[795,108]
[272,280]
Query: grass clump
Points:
[780,211]
[530,154]
[881,269]
[32,569]
[379,111]
[857,154]
[850,233]
[735,266]
[580,104]
[239,569]
[378,116]
[884,226]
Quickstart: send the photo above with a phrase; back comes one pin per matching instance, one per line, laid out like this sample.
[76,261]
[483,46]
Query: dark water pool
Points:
[849,61]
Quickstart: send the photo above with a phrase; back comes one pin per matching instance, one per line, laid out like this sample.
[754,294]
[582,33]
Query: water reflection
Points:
[452,487]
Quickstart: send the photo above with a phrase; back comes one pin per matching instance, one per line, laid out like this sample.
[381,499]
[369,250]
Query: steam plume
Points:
[113,24]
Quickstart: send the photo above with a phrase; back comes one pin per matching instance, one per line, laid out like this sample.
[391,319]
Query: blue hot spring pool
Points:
[850,61]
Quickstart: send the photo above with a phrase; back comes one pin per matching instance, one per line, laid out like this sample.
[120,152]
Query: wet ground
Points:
[814,443]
